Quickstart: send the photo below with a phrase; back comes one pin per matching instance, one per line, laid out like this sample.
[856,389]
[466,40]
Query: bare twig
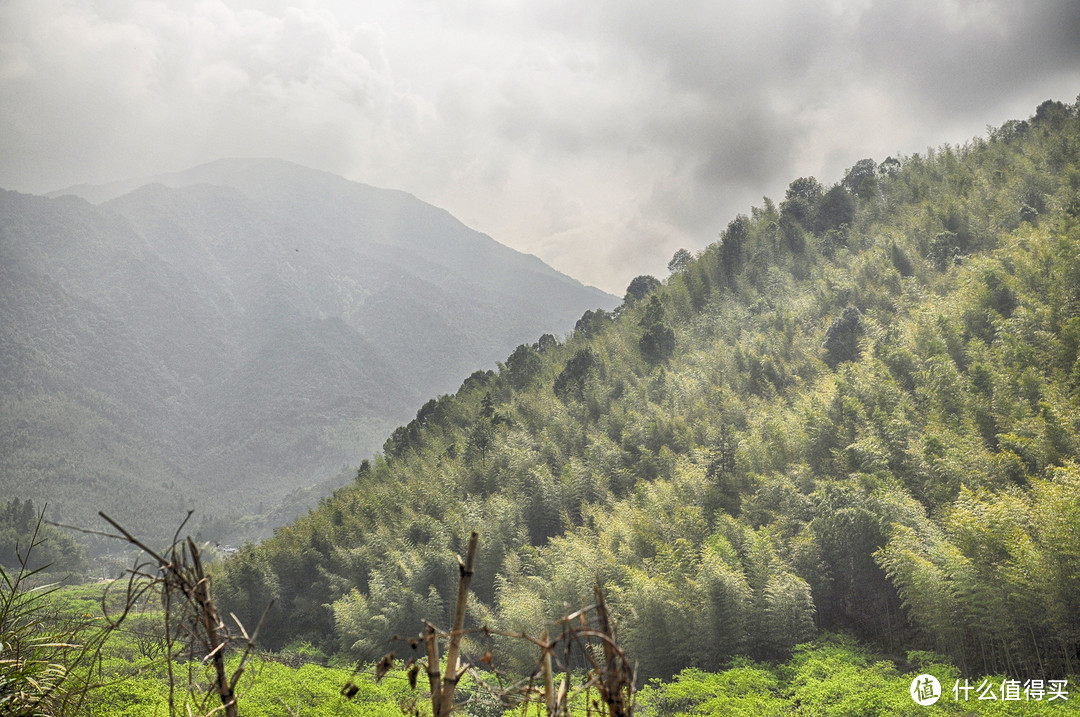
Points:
[590,629]
[189,610]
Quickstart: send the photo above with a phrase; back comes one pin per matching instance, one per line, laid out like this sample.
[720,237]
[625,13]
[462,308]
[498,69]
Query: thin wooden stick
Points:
[549,678]
[450,678]
[211,623]
[431,641]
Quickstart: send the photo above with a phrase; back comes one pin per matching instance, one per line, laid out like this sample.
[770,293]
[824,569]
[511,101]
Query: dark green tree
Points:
[888,168]
[1051,114]
[789,613]
[900,260]
[680,261]
[657,343]
[859,180]
[481,439]
[732,242]
[842,339]
[570,383]
[545,343]
[523,365]
[591,322]
[836,210]
[792,232]
[639,288]
[801,200]
[944,250]
[54,549]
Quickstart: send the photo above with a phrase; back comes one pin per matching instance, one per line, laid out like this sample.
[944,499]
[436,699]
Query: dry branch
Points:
[589,630]
[184,587]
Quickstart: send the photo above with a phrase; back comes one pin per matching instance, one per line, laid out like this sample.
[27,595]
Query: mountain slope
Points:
[858,411]
[220,337]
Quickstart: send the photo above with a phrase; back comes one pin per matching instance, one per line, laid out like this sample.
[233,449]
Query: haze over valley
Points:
[221,337]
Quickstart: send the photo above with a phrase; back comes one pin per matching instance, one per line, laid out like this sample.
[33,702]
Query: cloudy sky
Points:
[600,135]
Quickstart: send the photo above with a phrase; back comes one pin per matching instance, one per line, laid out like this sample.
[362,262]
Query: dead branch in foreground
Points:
[192,622]
[587,635]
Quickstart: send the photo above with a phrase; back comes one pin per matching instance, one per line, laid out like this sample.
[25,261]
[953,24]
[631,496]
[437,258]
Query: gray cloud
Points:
[159,86]
[970,53]
[600,136]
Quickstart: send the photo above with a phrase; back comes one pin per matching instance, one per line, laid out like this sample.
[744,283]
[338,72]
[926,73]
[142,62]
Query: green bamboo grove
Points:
[858,412]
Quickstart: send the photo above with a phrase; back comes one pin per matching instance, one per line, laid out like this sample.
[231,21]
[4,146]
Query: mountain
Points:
[220,337]
[857,412]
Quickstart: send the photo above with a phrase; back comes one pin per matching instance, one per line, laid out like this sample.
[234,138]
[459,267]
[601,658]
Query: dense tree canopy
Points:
[866,421]
[22,524]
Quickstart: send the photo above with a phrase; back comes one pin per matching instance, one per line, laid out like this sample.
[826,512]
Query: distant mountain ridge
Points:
[240,330]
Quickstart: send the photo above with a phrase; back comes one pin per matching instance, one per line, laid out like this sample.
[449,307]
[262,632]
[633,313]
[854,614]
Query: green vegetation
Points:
[21,528]
[836,449]
[830,677]
[139,688]
[866,422]
[46,653]
[226,337]
[94,650]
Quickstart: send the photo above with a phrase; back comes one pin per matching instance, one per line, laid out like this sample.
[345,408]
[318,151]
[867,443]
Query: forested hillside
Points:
[221,337]
[858,411]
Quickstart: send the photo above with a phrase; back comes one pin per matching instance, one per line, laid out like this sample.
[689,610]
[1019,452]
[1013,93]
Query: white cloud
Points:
[600,136]
[164,85]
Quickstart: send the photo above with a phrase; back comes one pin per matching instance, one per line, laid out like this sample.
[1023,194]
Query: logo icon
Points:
[925,690]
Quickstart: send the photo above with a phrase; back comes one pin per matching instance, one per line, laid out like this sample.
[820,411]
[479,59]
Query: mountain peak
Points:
[228,171]
[251,318]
